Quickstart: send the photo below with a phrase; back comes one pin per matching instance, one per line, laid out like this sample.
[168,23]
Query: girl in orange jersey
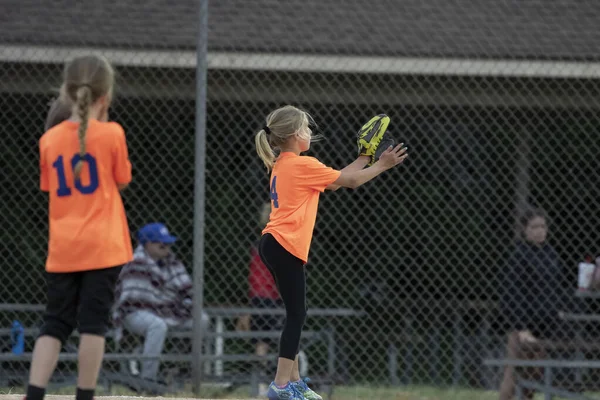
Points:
[296,182]
[84,164]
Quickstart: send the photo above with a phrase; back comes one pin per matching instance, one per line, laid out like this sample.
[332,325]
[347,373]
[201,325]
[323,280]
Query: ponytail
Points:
[83,102]
[280,126]
[264,149]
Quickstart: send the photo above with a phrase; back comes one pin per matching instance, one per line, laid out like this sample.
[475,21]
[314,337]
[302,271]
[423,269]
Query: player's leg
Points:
[259,323]
[96,301]
[289,275]
[59,322]
[300,384]
[292,283]
[89,359]
[295,377]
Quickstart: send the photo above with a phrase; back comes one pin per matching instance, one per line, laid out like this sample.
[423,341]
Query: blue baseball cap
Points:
[155,233]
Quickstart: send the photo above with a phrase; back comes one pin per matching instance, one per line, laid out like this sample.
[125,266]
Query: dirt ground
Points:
[62,397]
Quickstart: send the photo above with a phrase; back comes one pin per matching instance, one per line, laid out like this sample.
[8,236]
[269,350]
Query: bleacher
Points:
[215,355]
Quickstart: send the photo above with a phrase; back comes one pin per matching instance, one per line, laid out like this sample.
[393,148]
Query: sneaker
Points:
[307,393]
[289,392]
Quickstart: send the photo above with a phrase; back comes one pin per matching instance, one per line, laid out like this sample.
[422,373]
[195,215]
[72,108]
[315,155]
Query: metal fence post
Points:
[199,192]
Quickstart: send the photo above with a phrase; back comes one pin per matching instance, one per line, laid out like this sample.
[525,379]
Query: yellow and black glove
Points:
[372,138]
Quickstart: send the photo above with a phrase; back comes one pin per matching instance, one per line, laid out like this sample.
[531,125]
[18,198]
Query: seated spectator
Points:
[154,293]
[532,294]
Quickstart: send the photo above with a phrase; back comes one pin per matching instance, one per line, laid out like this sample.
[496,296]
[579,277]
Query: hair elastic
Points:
[267,130]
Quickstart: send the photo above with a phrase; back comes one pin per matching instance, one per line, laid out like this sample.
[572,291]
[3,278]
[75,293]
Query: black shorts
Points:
[265,322]
[81,300]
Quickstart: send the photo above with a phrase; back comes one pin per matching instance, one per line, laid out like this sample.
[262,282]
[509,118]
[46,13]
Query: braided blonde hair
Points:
[86,79]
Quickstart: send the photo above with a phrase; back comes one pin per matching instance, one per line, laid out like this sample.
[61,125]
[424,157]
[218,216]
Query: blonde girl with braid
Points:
[84,164]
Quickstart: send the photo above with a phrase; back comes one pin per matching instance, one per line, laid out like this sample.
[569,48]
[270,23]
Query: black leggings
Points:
[289,274]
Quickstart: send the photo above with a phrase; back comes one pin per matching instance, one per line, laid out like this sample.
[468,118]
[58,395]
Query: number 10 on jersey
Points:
[63,187]
[274,196]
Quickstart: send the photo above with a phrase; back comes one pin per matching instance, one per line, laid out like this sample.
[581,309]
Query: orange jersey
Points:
[88,227]
[296,182]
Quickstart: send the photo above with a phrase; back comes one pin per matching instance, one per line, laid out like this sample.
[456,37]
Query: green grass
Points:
[340,393]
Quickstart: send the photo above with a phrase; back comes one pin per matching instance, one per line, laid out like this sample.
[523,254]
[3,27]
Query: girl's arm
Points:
[356,165]
[355,178]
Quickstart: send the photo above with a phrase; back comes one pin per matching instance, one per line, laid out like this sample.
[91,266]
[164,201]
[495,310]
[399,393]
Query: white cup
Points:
[586,272]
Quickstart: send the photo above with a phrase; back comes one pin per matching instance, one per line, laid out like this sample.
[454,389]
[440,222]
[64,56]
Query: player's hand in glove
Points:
[371,135]
[386,142]
[393,156]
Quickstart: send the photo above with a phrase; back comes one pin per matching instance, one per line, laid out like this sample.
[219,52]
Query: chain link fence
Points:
[415,278]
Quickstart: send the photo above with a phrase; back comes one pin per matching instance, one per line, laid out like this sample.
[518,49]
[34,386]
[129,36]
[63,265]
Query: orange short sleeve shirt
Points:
[87,223]
[296,183]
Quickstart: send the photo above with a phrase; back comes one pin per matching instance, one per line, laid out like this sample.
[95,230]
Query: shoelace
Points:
[296,392]
[304,382]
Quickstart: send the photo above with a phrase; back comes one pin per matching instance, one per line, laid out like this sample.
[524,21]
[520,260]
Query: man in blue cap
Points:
[154,293]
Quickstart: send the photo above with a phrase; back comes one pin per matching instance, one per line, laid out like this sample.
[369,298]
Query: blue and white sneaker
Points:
[305,391]
[289,392]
